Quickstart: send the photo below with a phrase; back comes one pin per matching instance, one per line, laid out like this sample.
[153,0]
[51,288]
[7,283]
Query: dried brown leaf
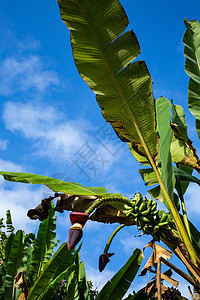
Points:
[158,252]
[21,284]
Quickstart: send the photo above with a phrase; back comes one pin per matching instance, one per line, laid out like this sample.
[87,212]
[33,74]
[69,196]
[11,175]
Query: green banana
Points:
[153,207]
[146,212]
[144,219]
[141,207]
[163,224]
[149,203]
[156,228]
[136,209]
[164,217]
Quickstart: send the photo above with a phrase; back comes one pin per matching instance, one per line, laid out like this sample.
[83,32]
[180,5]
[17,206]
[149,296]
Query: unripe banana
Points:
[164,217]
[136,209]
[141,207]
[146,212]
[163,224]
[153,207]
[156,228]
[144,219]
[149,203]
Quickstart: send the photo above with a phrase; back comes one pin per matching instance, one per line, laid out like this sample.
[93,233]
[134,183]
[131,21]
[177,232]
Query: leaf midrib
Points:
[113,77]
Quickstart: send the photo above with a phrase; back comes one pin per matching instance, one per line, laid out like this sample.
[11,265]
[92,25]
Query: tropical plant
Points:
[29,262]
[104,53]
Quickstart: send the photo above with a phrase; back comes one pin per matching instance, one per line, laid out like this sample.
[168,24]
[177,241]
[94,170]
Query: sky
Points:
[48,115]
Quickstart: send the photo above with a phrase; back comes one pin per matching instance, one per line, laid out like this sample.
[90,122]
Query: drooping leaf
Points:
[178,118]
[62,259]
[163,113]
[54,184]
[117,287]
[158,252]
[43,245]
[123,88]
[191,40]
[149,176]
[185,176]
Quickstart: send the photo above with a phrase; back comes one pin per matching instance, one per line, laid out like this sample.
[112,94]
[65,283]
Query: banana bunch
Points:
[148,219]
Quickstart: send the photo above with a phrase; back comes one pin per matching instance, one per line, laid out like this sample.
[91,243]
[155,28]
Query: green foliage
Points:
[192,67]
[54,184]
[43,245]
[34,256]
[163,113]
[123,88]
[61,260]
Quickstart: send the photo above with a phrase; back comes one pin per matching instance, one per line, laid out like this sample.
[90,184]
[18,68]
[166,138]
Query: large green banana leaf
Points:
[163,113]
[43,245]
[62,259]
[178,118]
[15,261]
[191,40]
[54,184]
[103,54]
[51,288]
[117,287]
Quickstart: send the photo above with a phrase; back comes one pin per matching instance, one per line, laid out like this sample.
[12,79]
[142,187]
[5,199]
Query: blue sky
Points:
[48,113]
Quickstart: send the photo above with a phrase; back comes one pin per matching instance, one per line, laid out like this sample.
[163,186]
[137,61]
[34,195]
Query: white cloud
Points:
[192,200]
[131,243]
[6,165]
[3,145]
[98,279]
[23,74]
[54,136]
[19,199]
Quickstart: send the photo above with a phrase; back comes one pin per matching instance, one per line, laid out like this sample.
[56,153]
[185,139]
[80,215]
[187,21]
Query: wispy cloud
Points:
[19,199]
[6,165]
[98,279]
[52,133]
[193,201]
[55,136]
[3,144]
[25,73]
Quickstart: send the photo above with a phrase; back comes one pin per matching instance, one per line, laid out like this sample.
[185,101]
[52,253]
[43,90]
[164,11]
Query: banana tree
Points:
[104,55]
[28,261]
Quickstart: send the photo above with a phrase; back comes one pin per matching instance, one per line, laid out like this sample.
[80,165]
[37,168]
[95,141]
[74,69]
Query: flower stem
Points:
[111,238]
[108,200]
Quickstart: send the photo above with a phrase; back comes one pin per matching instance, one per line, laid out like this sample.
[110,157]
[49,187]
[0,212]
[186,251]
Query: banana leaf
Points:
[104,54]
[9,225]
[191,40]
[178,118]
[54,184]
[43,245]
[163,113]
[52,287]
[62,259]
[149,176]
[117,287]
[15,260]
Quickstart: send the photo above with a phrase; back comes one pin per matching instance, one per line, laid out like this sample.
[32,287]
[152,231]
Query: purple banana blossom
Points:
[103,260]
